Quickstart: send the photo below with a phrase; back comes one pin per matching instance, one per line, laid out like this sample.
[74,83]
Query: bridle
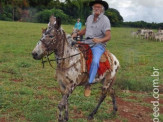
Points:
[63,58]
[53,40]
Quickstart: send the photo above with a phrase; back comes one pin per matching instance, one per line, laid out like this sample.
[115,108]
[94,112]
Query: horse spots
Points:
[62,85]
[71,81]
[116,70]
[74,85]
[76,68]
[115,62]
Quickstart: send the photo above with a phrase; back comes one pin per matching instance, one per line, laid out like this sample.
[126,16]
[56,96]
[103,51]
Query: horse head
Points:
[51,40]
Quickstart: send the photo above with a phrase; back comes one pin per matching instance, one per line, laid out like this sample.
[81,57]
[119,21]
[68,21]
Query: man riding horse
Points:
[71,61]
[97,27]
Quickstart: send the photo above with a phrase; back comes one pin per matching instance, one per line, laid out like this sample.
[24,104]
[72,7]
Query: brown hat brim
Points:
[105,4]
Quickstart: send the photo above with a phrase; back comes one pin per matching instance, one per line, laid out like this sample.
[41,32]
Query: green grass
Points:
[161,117]
[29,93]
[137,58]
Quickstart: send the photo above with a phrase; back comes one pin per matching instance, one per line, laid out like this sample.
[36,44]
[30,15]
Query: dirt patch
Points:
[8,72]
[78,114]
[16,80]
[130,109]
[50,88]
[161,89]
[148,100]
[3,119]
[135,108]
[133,112]
[133,97]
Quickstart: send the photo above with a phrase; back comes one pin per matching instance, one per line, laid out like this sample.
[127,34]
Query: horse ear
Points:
[44,30]
[58,22]
[52,20]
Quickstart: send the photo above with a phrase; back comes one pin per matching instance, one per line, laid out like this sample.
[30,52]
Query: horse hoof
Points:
[60,120]
[65,119]
[115,109]
[90,117]
[114,112]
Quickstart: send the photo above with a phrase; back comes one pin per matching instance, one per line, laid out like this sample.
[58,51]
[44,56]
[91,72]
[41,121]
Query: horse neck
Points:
[69,57]
[66,48]
[69,50]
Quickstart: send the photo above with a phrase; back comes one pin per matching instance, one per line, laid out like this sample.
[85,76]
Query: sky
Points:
[137,10]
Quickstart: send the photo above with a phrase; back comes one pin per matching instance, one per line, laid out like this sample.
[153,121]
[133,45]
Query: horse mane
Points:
[61,44]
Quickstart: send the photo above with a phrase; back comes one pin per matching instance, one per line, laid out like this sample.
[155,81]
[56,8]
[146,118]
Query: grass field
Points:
[30,93]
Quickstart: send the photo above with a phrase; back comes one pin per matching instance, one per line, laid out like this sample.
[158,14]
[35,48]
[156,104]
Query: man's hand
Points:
[105,39]
[74,35]
[96,40]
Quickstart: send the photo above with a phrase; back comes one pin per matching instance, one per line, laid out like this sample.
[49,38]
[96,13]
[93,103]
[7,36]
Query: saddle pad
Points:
[104,62]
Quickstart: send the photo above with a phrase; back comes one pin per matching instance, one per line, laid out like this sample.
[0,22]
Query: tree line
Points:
[68,11]
[142,24]
[40,10]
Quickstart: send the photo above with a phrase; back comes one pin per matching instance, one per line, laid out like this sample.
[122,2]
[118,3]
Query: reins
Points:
[50,60]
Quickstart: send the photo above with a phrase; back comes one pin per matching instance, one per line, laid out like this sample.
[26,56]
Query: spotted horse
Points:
[69,67]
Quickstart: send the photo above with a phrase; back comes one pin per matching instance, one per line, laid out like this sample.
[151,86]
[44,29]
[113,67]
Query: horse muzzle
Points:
[36,56]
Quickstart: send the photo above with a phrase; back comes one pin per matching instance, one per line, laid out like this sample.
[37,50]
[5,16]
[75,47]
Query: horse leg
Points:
[103,96]
[66,117]
[112,94]
[63,105]
[106,87]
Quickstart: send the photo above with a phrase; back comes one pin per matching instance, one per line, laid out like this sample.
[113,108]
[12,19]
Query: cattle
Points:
[158,37]
[134,34]
[160,31]
[147,34]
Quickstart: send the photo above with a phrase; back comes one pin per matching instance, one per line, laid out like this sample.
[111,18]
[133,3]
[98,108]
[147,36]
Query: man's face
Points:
[97,9]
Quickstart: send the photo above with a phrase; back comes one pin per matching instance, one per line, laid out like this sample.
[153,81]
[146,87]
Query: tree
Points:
[114,16]
[77,8]
[1,8]
[35,3]
[72,8]
[15,4]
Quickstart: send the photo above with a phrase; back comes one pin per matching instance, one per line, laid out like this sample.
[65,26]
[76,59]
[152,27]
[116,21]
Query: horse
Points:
[68,70]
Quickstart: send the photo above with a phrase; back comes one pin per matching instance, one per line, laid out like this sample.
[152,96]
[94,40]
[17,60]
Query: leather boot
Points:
[87,91]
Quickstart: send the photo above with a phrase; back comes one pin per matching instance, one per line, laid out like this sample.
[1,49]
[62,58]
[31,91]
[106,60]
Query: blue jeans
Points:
[97,51]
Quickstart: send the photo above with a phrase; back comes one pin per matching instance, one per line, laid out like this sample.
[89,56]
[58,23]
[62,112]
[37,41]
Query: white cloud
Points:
[136,10]
[149,3]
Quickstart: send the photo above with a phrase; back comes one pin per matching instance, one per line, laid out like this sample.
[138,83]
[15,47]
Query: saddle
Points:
[105,63]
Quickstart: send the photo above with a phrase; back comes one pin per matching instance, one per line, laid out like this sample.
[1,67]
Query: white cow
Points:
[158,37]
[134,34]
[145,33]
[160,31]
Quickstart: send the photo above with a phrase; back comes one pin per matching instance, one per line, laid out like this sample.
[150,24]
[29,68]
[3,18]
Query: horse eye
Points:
[51,36]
